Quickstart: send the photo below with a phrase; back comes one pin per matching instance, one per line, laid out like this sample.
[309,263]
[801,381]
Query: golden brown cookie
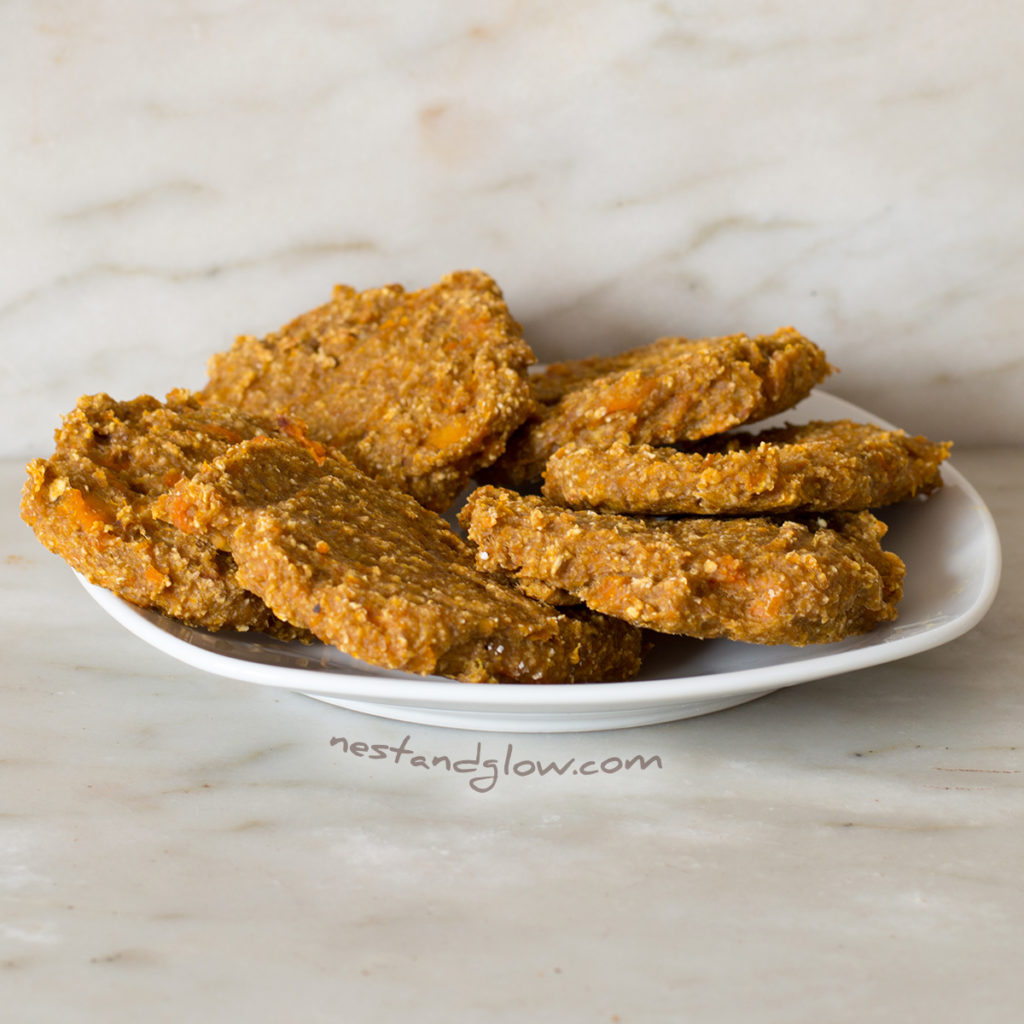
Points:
[419,389]
[816,467]
[672,390]
[759,580]
[91,503]
[370,571]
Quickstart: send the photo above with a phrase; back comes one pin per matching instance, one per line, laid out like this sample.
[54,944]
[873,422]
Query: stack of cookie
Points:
[296,494]
[654,509]
[300,493]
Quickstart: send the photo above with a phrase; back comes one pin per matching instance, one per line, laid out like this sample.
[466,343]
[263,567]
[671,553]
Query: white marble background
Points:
[174,174]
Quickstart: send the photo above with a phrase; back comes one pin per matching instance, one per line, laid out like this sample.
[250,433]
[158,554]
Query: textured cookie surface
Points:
[760,580]
[816,467]
[419,389]
[674,389]
[370,571]
[92,502]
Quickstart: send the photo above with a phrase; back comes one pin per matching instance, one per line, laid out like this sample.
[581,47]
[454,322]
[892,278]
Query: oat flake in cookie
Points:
[370,571]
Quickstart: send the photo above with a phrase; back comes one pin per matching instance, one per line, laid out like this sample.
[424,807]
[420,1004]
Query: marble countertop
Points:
[625,171]
[178,846]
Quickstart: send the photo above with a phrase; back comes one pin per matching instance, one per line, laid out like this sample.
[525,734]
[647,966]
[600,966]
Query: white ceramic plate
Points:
[948,542]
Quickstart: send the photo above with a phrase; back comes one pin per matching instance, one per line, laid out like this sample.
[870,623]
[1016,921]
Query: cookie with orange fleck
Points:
[672,390]
[822,466]
[91,502]
[371,571]
[760,580]
[419,389]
